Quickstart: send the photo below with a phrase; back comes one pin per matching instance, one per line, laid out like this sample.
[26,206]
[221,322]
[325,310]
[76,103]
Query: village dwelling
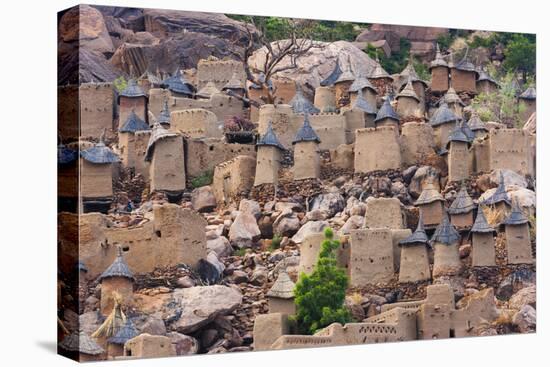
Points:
[164,115]
[464,76]
[80,347]
[528,99]
[360,103]
[458,159]
[235,86]
[281,295]
[454,102]
[96,177]
[300,104]
[387,116]
[361,86]
[115,344]
[440,73]
[430,203]
[341,87]
[207,91]
[483,241]
[149,346]
[126,139]
[445,242]
[408,103]
[477,126]
[419,85]
[117,280]
[415,265]
[499,200]
[443,122]
[167,163]
[518,239]
[132,99]
[486,84]
[268,158]
[179,86]
[381,79]
[307,162]
[462,210]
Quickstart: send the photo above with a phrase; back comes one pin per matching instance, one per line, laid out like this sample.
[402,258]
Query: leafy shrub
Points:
[320,296]
[120,83]
[276,242]
[204,179]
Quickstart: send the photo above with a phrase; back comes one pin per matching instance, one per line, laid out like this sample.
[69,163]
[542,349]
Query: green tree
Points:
[320,296]
[520,55]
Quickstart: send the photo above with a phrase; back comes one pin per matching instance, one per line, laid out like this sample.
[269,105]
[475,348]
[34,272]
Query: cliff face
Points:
[121,41]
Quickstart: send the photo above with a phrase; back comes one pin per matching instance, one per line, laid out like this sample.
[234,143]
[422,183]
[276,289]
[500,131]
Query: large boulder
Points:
[220,245]
[197,306]
[203,199]
[525,296]
[244,231]
[319,62]
[309,228]
[331,203]
[250,207]
[286,224]
[184,344]
[525,319]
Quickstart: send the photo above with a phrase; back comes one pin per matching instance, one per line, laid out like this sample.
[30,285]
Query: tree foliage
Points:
[520,55]
[397,61]
[320,296]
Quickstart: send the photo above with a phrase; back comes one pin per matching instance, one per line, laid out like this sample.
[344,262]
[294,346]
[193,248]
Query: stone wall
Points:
[417,142]
[376,149]
[218,72]
[463,81]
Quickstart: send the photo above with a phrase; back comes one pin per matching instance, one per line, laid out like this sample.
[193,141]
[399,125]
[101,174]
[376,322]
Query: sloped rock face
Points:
[319,62]
[200,305]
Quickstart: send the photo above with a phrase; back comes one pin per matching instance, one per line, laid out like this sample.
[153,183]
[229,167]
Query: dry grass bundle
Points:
[493,215]
[113,322]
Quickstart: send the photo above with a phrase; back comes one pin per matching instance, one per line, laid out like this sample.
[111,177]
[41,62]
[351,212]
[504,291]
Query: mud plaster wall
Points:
[417,142]
[509,149]
[440,79]
[398,235]
[307,163]
[141,140]
[309,253]
[383,213]
[174,236]
[67,180]
[407,106]
[414,264]
[483,249]
[126,143]
[518,244]
[441,134]
[268,328]
[96,180]
[371,257]
[267,165]
[196,123]
[463,221]
[149,346]
[463,81]
[218,72]
[330,128]
[232,177]
[486,87]
[446,259]
[355,119]
[204,154]
[376,149]
[96,108]
[282,305]
[67,111]
[325,99]
[167,169]
[280,116]
[481,151]
[342,156]
[458,161]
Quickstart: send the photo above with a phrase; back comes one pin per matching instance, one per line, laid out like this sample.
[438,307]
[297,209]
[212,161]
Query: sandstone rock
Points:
[353,222]
[200,305]
[212,258]
[316,214]
[420,177]
[154,325]
[244,231]
[464,250]
[208,337]
[286,224]
[525,296]
[220,245]
[185,282]
[281,206]
[307,229]
[526,319]
[208,272]
[184,344]
[239,276]
[331,203]
[91,31]
[250,207]
[319,62]
[409,173]
[266,226]
[259,276]
[203,199]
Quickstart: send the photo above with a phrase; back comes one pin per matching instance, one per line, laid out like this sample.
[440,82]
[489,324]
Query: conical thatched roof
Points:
[475,123]
[429,195]
[164,115]
[300,104]
[362,104]
[467,131]
[234,84]
[445,232]
[484,76]
[125,333]
[208,90]
[481,225]
[179,84]
[283,287]
[409,74]
[443,115]
[99,153]
[333,76]
[419,236]
[408,91]
[452,97]
[132,90]
[361,83]
[270,138]
[80,342]
[386,111]
[500,195]
[516,217]
[306,133]
[133,123]
[457,135]
[119,268]
[438,61]
[379,73]
[158,133]
[462,204]
[530,93]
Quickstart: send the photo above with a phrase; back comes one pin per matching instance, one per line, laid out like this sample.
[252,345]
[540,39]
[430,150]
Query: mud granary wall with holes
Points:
[172,236]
